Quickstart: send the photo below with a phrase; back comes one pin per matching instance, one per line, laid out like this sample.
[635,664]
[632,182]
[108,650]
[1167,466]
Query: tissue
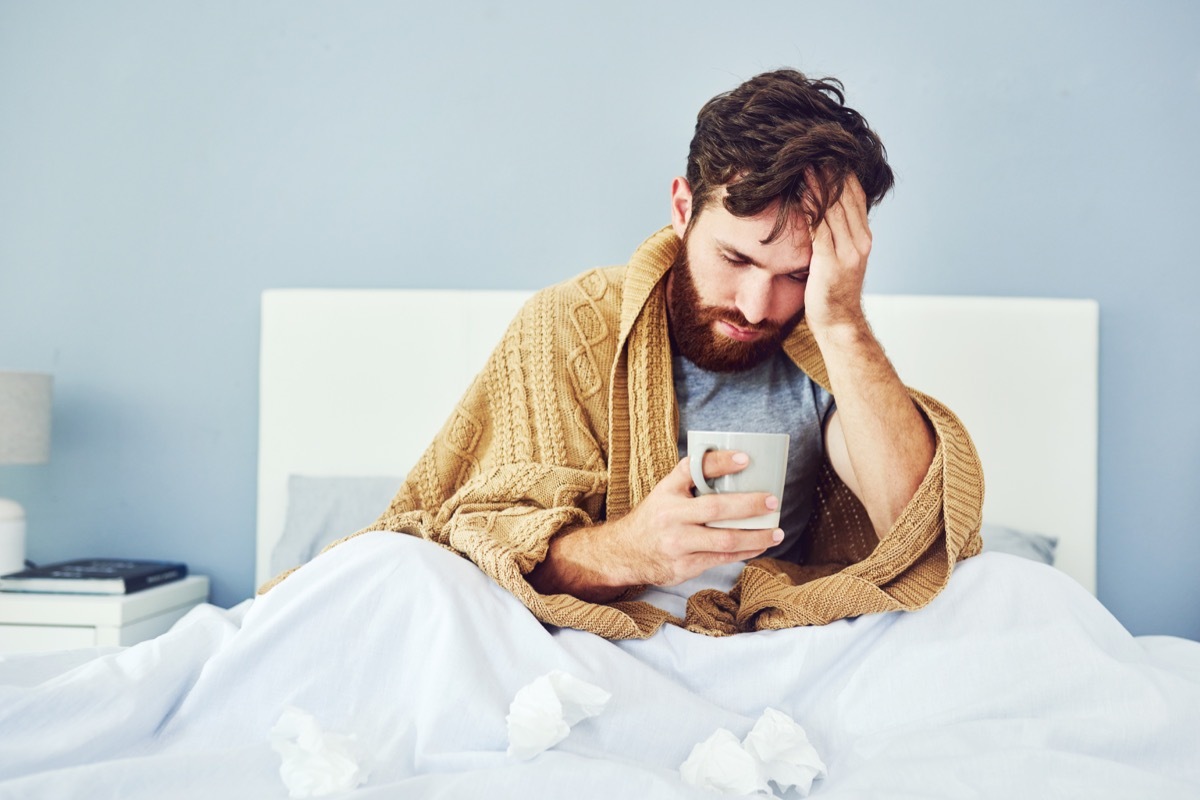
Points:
[315,763]
[784,752]
[542,713]
[721,763]
[776,749]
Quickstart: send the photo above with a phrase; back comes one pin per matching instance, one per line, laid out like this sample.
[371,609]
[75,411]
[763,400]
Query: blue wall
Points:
[161,163]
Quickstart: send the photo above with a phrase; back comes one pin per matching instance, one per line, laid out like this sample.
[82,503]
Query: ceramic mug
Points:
[766,472]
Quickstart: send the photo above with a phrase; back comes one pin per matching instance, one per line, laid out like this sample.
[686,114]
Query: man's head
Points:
[767,161]
[787,142]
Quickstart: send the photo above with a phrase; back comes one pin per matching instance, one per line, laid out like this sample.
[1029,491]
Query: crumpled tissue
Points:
[315,763]
[721,763]
[542,713]
[776,749]
[782,748]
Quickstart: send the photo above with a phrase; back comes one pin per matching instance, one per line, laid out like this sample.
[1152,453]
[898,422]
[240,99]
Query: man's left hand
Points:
[841,245]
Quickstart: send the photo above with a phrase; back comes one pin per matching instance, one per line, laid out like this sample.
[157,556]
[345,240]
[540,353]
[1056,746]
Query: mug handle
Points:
[696,464]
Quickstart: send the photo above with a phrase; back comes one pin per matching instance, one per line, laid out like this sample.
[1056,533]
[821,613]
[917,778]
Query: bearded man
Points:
[562,472]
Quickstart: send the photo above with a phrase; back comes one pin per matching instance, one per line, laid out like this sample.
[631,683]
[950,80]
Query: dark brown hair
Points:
[781,136]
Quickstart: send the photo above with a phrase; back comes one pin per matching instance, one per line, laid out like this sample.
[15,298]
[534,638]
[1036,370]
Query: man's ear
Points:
[681,205]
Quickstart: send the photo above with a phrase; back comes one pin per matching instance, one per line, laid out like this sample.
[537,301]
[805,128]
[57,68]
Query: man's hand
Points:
[841,245]
[669,526]
[663,541]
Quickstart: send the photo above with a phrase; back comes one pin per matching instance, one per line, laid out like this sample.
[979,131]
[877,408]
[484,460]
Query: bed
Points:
[404,660]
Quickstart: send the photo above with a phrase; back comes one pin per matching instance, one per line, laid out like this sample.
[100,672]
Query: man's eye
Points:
[734,261]
[798,277]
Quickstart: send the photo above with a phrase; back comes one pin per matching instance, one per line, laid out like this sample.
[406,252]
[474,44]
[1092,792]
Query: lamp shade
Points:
[25,417]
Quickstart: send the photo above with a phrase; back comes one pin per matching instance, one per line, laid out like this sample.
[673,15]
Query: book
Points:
[94,576]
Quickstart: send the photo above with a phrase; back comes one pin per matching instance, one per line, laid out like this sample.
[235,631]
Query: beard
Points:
[693,331]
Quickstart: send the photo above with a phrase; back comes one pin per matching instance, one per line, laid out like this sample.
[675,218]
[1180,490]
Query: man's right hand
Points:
[663,541]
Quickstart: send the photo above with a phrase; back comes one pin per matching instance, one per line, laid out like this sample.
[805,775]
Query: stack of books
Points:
[94,576]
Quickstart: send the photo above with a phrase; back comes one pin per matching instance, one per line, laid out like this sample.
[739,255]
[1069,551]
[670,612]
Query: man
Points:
[748,270]
[560,472]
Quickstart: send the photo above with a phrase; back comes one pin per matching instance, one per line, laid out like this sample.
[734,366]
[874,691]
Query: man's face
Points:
[732,300]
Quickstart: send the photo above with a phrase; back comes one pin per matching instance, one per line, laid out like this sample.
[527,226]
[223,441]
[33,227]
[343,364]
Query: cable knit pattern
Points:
[573,421]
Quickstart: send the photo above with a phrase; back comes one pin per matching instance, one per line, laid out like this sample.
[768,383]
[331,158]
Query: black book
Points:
[94,576]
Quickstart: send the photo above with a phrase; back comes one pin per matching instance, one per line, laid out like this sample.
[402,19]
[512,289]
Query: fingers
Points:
[822,239]
[733,505]
[715,464]
[731,541]
[847,221]
[727,546]
[853,187]
[699,562]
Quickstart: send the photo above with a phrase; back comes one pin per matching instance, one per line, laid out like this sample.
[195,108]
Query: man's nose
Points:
[754,298]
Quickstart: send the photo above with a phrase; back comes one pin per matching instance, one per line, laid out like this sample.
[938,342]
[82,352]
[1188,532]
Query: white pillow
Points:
[1036,546]
[323,509]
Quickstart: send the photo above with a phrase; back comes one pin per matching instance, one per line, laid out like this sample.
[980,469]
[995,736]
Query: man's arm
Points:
[879,444]
[663,541]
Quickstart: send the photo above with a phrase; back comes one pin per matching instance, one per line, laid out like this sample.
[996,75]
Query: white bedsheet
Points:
[1014,682]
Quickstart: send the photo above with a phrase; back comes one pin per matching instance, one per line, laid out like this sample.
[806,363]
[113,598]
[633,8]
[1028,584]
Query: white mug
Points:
[766,472]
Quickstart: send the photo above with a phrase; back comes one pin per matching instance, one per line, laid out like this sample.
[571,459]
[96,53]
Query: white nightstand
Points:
[35,622]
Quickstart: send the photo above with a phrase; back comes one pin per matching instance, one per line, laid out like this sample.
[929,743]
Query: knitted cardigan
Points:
[573,421]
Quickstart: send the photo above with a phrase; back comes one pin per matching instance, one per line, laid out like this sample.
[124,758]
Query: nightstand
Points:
[32,622]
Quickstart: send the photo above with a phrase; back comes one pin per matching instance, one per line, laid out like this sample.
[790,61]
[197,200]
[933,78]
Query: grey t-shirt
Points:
[774,397]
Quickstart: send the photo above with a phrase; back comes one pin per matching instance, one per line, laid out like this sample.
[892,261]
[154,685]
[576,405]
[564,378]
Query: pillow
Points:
[323,509]
[999,539]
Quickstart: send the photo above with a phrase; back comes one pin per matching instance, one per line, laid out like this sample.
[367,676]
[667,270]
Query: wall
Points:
[161,163]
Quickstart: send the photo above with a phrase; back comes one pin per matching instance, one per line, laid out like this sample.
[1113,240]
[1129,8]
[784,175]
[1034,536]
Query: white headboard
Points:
[357,382]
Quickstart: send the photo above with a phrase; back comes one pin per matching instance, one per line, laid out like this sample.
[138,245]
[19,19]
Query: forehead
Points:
[747,234]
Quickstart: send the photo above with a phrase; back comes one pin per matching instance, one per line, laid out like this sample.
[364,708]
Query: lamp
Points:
[24,439]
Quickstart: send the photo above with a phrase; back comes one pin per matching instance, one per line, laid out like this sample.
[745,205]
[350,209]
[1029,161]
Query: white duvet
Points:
[1014,682]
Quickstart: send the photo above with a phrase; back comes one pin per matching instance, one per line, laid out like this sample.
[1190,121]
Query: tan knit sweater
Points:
[573,421]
